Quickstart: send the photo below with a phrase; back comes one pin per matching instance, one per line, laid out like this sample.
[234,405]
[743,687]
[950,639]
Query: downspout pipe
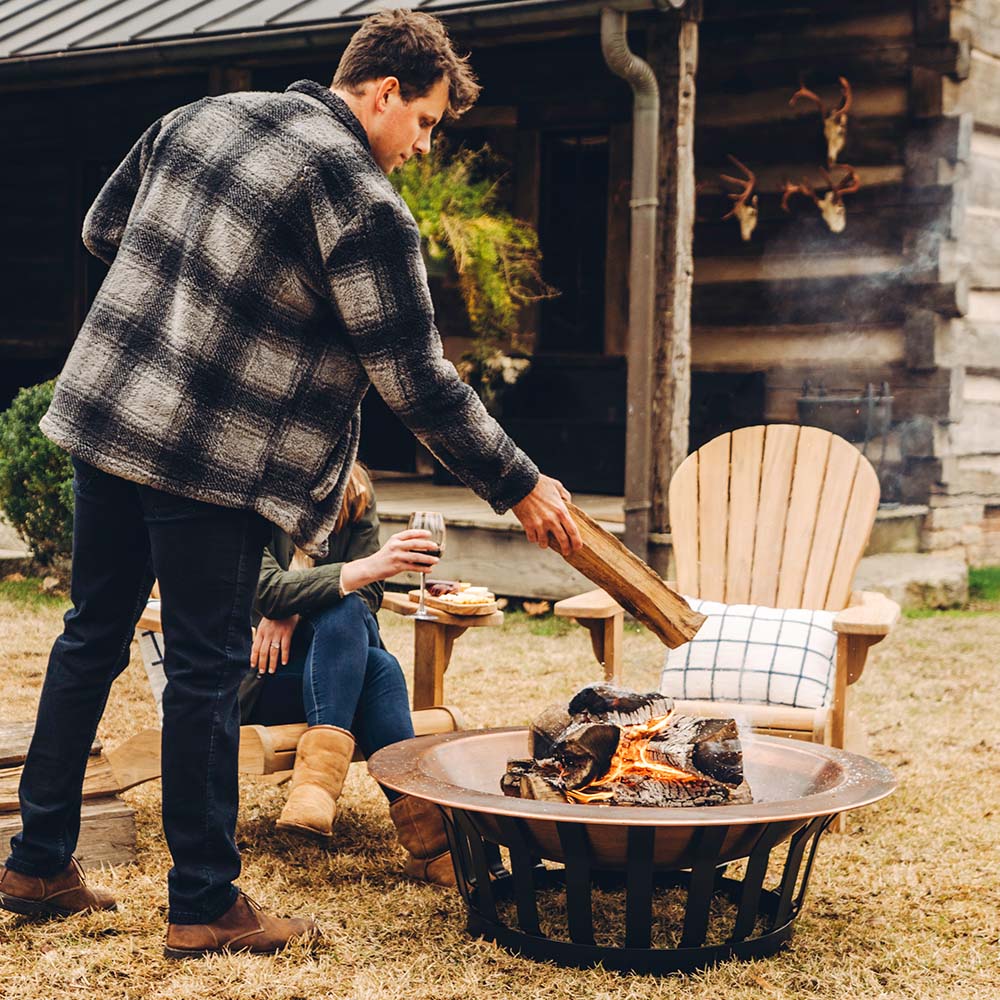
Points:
[642,275]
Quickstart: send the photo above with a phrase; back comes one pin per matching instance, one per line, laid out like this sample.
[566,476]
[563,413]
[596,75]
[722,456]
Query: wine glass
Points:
[432,521]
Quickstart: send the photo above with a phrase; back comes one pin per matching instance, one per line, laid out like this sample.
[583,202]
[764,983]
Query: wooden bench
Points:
[270,750]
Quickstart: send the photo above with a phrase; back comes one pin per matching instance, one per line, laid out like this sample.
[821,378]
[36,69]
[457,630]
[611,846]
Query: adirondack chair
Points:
[779,516]
[270,750]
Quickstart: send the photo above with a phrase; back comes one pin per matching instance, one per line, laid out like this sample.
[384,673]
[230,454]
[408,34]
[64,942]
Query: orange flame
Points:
[631,759]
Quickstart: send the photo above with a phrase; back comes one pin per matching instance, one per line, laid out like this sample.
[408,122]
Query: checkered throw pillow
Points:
[770,656]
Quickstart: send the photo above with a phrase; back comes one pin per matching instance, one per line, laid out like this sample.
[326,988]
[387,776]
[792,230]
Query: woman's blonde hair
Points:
[357,499]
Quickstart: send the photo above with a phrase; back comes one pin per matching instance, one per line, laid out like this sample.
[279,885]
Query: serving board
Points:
[453,609]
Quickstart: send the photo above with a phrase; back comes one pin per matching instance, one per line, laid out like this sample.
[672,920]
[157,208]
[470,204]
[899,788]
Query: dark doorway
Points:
[573,233]
[722,402]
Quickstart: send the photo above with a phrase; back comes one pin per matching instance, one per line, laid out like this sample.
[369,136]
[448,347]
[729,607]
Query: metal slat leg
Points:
[702,885]
[821,825]
[522,864]
[753,882]
[639,887]
[579,912]
[795,851]
[485,902]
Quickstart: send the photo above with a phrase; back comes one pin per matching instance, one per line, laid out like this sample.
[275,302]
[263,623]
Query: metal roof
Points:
[49,31]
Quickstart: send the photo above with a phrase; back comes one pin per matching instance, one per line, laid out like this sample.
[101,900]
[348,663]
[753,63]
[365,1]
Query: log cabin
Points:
[670,327]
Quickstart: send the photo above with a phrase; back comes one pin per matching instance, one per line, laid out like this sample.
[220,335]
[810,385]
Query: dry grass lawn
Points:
[906,904]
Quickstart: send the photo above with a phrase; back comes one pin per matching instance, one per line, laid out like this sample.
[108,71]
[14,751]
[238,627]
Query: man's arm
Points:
[378,285]
[105,221]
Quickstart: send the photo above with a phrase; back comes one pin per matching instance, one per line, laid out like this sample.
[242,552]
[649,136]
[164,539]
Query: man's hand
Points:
[271,643]
[546,519]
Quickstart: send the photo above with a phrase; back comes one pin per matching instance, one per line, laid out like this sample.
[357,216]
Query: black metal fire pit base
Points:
[635,889]
[763,923]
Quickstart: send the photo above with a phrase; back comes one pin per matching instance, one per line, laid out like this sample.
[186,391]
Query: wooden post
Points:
[606,635]
[673,54]
[432,646]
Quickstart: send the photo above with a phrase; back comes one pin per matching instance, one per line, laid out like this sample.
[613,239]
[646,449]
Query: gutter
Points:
[464,16]
[642,275]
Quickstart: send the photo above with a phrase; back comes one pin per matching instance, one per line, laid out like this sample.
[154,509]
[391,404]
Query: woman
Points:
[317,655]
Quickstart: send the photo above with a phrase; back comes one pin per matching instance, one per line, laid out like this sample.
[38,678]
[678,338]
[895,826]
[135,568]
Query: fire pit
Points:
[631,852]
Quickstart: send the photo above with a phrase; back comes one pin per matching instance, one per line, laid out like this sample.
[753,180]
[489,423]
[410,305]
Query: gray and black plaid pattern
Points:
[752,654]
[264,273]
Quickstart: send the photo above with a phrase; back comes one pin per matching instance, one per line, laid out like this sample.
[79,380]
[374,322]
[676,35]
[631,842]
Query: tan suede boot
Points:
[243,927]
[57,896]
[321,761]
[420,828]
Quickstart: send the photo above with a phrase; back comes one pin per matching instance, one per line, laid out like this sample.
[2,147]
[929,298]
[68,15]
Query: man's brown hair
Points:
[415,48]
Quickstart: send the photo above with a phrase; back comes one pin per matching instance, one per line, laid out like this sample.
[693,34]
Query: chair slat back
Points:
[777,515]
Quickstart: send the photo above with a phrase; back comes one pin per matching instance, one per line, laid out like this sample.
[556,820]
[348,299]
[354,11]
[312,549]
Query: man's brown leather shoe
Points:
[58,896]
[243,927]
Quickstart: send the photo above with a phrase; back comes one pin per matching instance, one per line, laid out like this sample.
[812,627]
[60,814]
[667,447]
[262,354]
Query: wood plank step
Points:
[98,782]
[15,738]
[107,832]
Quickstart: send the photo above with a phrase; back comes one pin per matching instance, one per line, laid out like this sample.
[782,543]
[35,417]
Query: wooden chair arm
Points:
[399,603]
[593,604]
[869,613]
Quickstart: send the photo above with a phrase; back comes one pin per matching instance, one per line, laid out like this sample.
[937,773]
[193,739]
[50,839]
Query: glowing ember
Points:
[631,760]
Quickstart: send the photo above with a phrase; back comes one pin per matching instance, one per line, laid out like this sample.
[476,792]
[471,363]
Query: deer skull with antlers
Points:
[834,121]
[831,205]
[744,207]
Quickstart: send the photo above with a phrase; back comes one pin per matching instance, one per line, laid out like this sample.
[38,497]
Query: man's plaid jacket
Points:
[263,273]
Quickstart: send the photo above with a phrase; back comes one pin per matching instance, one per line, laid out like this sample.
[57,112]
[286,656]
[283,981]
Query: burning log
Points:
[658,792]
[619,747]
[607,703]
[546,729]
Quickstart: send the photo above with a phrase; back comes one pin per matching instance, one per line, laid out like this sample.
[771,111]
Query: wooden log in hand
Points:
[637,588]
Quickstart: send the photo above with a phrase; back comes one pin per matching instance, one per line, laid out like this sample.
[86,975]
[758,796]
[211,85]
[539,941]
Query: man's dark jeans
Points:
[207,561]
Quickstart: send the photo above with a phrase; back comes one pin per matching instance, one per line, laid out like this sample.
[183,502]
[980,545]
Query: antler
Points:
[744,208]
[803,188]
[835,121]
[846,98]
[748,182]
[847,184]
[804,93]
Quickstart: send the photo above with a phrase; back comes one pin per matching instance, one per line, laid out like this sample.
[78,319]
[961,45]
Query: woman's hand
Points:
[405,552]
[272,641]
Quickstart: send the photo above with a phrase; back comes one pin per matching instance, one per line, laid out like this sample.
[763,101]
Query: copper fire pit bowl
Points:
[798,789]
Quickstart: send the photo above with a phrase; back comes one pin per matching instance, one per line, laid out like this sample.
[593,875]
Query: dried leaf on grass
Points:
[536,608]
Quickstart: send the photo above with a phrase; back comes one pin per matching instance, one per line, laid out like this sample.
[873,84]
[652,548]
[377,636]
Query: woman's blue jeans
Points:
[338,674]
[207,561]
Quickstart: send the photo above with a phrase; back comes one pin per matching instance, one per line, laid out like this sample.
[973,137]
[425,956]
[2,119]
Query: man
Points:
[263,272]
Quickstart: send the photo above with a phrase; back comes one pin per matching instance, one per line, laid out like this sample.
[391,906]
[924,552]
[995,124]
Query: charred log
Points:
[700,746]
[546,729]
[656,792]
[605,703]
[585,750]
[542,788]
[510,780]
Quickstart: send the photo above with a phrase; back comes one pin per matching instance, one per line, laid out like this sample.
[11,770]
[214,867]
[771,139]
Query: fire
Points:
[631,760]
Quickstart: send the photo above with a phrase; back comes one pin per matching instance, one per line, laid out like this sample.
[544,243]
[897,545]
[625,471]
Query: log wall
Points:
[62,145]
[909,293]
